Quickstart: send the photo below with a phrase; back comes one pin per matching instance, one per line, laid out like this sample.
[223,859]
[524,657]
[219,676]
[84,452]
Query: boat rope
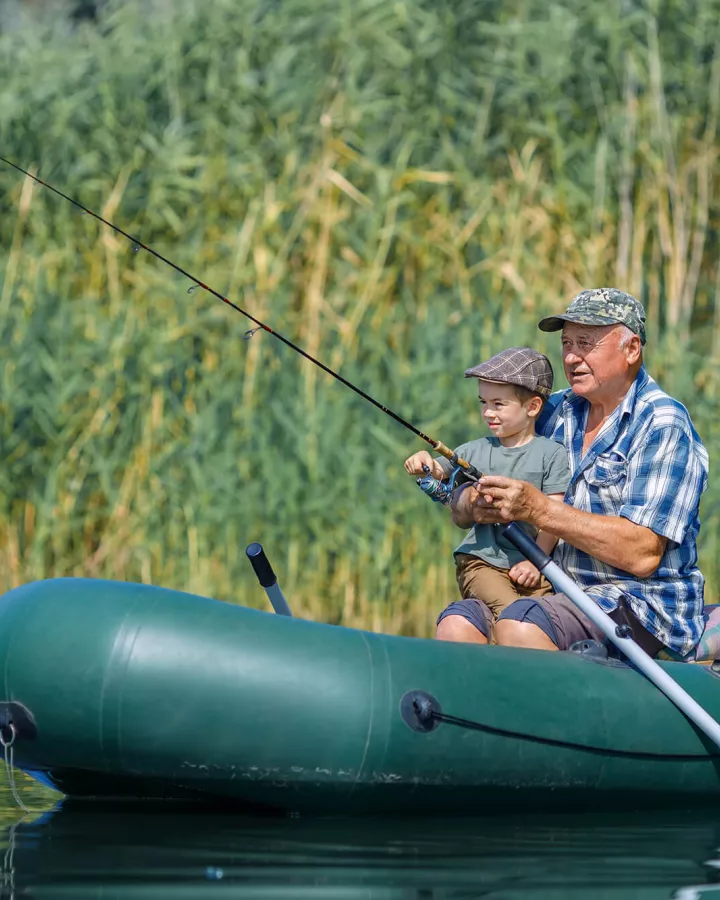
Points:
[468,469]
[8,865]
[427,714]
[9,753]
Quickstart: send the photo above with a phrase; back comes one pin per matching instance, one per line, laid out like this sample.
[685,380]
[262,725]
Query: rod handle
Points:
[445,451]
[526,545]
[261,565]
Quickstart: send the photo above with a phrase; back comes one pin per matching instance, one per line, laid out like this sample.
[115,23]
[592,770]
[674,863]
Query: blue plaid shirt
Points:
[648,465]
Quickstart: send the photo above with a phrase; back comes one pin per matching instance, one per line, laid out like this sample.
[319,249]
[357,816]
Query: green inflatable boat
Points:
[116,690]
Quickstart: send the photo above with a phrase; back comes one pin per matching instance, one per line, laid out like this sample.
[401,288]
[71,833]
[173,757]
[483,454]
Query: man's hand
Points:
[414,464]
[496,500]
[525,574]
[499,499]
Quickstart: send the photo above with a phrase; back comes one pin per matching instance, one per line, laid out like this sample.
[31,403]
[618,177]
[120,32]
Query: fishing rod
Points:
[437,490]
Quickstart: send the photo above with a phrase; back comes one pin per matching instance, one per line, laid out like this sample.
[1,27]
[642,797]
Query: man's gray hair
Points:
[625,335]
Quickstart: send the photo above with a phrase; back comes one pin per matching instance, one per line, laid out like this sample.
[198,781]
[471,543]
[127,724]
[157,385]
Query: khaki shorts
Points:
[481,581]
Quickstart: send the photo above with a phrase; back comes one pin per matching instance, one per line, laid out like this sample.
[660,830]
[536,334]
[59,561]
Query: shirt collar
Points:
[628,402]
[576,416]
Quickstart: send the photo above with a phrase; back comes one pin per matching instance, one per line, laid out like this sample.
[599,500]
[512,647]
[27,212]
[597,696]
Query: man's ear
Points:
[633,349]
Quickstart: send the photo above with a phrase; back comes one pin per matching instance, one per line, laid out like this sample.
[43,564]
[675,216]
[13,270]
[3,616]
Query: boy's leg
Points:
[485,592]
[479,579]
[542,590]
[467,621]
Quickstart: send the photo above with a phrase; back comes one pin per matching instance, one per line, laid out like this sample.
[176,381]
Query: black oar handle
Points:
[261,565]
[526,545]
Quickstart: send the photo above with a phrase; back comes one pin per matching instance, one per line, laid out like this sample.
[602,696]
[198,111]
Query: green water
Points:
[65,849]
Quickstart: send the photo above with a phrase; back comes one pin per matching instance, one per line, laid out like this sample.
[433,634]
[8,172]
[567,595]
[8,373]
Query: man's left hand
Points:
[507,500]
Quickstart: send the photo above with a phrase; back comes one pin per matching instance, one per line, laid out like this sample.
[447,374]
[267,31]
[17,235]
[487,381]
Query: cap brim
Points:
[477,372]
[555,323]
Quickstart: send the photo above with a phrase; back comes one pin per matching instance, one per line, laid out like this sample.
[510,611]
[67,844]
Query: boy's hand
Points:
[525,574]
[414,464]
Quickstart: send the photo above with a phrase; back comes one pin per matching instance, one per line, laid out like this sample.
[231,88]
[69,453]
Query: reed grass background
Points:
[403,189]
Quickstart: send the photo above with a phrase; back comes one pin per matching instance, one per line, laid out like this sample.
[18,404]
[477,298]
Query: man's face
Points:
[595,363]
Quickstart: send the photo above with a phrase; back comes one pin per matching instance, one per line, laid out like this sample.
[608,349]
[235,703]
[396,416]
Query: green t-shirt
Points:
[542,462]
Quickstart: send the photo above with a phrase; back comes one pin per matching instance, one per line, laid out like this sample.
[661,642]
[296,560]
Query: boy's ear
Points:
[534,406]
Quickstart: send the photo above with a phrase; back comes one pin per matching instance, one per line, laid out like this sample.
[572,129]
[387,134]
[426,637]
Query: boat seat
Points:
[708,648]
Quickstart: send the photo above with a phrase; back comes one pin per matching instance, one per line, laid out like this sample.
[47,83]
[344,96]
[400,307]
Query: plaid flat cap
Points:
[601,306]
[519,365]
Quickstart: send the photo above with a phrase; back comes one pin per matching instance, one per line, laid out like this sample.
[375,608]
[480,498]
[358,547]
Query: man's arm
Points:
[546,541]
[611,539]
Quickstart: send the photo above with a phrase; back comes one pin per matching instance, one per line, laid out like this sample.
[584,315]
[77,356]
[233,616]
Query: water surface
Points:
[83,850]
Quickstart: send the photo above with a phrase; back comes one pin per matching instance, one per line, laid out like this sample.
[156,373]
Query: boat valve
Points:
[421,711]
[16,722]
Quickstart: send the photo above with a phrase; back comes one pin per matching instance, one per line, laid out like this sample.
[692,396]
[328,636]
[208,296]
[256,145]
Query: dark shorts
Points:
[565,624]
[475,612]
[479,614]
[556,616]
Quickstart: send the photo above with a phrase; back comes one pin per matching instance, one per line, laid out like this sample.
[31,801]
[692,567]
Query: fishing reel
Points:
[442,491]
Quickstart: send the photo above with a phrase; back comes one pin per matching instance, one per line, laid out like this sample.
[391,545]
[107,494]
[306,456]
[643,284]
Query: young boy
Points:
[491,573]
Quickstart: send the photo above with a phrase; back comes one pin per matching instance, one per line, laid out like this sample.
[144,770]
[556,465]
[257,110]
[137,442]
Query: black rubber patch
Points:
[20,717]
[420,711]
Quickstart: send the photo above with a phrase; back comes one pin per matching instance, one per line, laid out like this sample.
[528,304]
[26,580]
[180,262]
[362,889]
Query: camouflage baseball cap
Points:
[519,365]
[601,306]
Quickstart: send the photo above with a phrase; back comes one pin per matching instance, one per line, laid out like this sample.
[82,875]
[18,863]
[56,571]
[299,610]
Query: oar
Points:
[267,578]
[619,636]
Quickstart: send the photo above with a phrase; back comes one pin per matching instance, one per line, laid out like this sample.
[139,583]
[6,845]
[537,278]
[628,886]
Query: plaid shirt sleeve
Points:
[665,479]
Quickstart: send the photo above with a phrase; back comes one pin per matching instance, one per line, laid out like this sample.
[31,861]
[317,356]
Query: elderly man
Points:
[628,528]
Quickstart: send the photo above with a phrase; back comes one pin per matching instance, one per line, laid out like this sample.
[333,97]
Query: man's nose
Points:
[570,356]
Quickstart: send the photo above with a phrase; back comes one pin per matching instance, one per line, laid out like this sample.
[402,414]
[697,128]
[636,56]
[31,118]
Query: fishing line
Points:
[137,245]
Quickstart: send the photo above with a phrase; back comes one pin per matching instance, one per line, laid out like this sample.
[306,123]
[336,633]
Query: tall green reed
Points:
[402,189]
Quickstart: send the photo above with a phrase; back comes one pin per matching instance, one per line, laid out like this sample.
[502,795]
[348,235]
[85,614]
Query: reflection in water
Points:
[87,850]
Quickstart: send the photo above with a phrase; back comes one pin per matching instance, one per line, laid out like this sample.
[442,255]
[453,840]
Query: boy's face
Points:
[504,413]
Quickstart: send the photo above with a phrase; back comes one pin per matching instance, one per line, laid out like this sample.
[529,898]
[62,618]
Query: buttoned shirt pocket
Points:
[606,479]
